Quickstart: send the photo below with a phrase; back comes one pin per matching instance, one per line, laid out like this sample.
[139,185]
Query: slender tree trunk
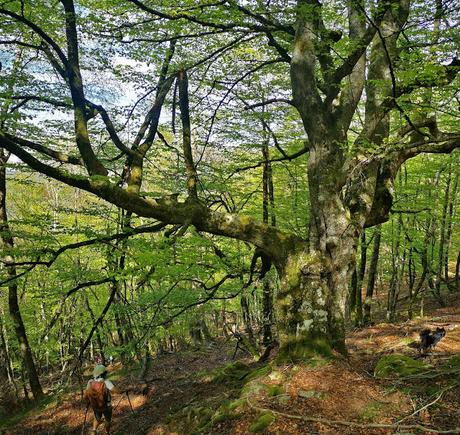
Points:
[15,313]
[411,274]
[451,214]
[195,332]
[356,300]
[97,332]
[268,198]
[6,347]
[205,330]
[247,319]
[267,311]
[372,275]
[395,265]
[457,272]
[442,237]
[6,372]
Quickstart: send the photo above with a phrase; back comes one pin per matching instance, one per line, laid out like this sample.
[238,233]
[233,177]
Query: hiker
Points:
[98,394]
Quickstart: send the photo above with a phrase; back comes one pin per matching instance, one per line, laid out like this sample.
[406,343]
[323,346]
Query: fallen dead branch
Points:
[417,411]
[353,423]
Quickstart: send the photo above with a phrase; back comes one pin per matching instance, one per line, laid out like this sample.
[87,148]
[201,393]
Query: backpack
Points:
[97,394]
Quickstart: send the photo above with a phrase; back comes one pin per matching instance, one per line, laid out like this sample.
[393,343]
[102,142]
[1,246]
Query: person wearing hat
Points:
[98,394]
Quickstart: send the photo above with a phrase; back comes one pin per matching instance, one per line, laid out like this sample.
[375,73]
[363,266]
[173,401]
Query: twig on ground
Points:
[417,411]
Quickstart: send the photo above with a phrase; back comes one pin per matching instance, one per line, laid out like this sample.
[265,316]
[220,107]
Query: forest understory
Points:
[205,390]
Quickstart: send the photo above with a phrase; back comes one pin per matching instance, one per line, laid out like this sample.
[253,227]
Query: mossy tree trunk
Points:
[314,285]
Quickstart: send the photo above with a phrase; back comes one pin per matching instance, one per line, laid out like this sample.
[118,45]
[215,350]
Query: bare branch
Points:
[39,31]
[75,81]
[189,17]
[269,101]
[192,177]
[56,155]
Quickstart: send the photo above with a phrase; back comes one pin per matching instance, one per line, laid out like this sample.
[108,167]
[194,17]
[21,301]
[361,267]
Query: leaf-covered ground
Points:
[204,391]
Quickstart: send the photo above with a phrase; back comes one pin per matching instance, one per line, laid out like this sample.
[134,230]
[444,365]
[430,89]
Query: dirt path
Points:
[174,385]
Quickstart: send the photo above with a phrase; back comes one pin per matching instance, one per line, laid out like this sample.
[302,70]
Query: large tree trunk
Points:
[15,313]
[315,279]
[312,305]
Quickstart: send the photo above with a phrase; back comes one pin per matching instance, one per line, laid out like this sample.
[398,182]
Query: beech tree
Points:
[373,84]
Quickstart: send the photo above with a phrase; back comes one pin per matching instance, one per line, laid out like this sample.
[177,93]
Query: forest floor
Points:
[205,391]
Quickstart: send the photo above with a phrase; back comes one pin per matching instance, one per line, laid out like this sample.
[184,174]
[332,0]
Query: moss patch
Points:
[233,372]
[371,411]
[239,403]
[259,372]
[253,388]
[452,363]
[398,365]
[275,390]
[264,420]
[305,349]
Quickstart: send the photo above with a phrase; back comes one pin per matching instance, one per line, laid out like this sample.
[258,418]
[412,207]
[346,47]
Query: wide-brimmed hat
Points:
[98,370]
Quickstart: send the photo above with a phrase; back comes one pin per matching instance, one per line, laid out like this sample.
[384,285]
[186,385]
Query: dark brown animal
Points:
[429,339]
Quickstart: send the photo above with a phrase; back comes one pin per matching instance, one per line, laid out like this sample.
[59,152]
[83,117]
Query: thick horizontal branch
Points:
[272,241]
[19,43]
[24,99]
[390,163]
[445,144]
